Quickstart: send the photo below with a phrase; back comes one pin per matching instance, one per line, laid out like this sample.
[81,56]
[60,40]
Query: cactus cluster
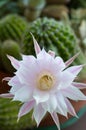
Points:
[53,35]
[12,26]
[8,116]
[50,34]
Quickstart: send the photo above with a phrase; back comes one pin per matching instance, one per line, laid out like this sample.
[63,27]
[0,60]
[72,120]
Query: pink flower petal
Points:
[79,85]
[69,75]
[67,63]
[6,78]
[73,93]
[26,108]
[7,95]
[75,69]
[56,119]
[14,62]
[52,53]
[36,46]
[38,113]
[70,108]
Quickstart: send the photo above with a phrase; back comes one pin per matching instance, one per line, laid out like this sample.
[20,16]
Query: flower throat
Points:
[45,82]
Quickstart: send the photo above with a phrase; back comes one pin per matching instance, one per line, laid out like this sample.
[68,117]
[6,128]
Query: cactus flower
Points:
[45,83]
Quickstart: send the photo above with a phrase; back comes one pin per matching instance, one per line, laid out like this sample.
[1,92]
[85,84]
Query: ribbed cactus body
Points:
[52,35]
[9,114]
[12,48]
[12,27]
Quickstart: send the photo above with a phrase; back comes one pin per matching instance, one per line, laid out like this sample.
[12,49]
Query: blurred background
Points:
[51,21]
[58,25]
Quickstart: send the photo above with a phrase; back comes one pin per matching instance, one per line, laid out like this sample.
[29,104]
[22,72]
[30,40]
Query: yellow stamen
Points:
[45,82]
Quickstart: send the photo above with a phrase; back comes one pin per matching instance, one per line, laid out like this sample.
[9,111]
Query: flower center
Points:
[45,82]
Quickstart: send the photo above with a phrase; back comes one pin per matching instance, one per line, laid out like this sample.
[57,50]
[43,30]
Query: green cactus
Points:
[12,26]
[8,116]
[53,35]
[78,3]
[12,48]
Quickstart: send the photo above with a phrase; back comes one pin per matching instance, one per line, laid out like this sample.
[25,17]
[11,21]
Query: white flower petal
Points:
[28,59]
[40,96]
[27,75]
[48,64]
[51,104]
[25,108]
[61,105]
[73,93]
[59,61]
[43,55]
[24,94]
[79,85]
[70,108]
[14,62]
[15,84]
[14,81]
[14,89]
[28,62]
[66,79]
[56,119]
[38,113]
